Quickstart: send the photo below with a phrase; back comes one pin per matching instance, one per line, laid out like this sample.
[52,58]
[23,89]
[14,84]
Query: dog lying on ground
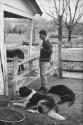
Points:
[65,94]
[44,102]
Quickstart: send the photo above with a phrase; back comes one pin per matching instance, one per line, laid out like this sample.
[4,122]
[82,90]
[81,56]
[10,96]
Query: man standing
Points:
[45,57]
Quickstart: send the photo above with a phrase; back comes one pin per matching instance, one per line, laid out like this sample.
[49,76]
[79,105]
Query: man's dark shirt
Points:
[46,51]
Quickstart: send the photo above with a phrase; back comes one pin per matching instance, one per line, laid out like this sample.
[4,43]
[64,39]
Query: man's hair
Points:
[43,32]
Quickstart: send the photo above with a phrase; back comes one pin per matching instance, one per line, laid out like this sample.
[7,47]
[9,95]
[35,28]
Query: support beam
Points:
[54,56]
[3,49]
[30,66]
[59,60]
[31,37]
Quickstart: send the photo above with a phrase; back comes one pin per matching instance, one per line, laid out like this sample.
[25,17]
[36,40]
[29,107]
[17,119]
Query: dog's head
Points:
[24,91]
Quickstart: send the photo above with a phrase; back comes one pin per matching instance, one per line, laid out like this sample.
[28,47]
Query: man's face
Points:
[42,36]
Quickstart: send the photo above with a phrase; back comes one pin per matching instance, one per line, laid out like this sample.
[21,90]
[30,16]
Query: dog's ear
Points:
[42,102]
[24,91]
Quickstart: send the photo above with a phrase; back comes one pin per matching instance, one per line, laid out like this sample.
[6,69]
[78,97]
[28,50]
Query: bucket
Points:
[10,117]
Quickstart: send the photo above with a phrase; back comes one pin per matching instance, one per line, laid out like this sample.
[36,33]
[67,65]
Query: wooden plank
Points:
[73,70]
[72,75]
[34,78]
[34,58]
[1,81]
[53,56]
[15,62]
[23,61]
[21,75]
[27,60]
[72,66]
[16,11]
[59,60]
[30,43]
[10,59]
[3,49]
[18,7]
[72,61]
[30,66]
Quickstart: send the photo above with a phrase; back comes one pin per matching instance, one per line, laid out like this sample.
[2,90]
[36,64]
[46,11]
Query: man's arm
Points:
[48,49]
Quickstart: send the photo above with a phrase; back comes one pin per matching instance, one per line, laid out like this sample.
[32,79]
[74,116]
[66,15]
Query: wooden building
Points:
[14,9]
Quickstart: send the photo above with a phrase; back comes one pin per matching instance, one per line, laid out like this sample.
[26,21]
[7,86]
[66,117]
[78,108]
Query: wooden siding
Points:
[19,7]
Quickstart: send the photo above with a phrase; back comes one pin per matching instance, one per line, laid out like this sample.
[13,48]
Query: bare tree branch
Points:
[63,9]
[59,8]
[76,7]
[65,16]
[79,17]
[50,13]
[70,11]
[69,18]
[56,8]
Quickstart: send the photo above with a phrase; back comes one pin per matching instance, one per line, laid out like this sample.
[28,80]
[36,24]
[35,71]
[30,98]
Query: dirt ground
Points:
[73,113]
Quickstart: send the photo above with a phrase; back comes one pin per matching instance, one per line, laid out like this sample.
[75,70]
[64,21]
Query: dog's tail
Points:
[72,99]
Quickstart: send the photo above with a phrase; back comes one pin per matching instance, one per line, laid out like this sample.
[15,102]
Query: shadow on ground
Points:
[73,113]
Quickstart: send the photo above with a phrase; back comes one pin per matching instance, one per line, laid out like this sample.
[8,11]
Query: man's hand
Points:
[41,47]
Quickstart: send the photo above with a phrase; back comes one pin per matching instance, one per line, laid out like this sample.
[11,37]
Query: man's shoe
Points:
[43,90]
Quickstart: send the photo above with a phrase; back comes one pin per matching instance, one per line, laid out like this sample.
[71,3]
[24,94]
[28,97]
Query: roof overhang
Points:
[36,7]
[12,15]
[26,8]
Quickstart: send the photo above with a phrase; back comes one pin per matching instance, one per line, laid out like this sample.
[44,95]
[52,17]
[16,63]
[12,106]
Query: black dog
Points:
[65,94]
[35,98]
[16,53]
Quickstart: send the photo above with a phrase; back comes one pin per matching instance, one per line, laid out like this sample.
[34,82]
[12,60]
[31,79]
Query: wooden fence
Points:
[70,69]
[14,83]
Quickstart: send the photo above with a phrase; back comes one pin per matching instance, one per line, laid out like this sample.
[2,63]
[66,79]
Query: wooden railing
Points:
[16,64]
[21,77]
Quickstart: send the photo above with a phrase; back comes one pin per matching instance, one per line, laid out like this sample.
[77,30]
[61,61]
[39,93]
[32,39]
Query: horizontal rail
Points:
[72,61]
[10,59]
[34,78]
[73,70]
[22,61]
[27,60]
[20,76]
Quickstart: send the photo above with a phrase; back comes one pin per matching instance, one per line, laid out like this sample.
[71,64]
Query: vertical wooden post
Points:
[13,83]
[30,66]
[15,64]
[55,66]
[30,47]
[1,81]
[59,60]
[3,49]
[53,56]
[59,46]
[30,44]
